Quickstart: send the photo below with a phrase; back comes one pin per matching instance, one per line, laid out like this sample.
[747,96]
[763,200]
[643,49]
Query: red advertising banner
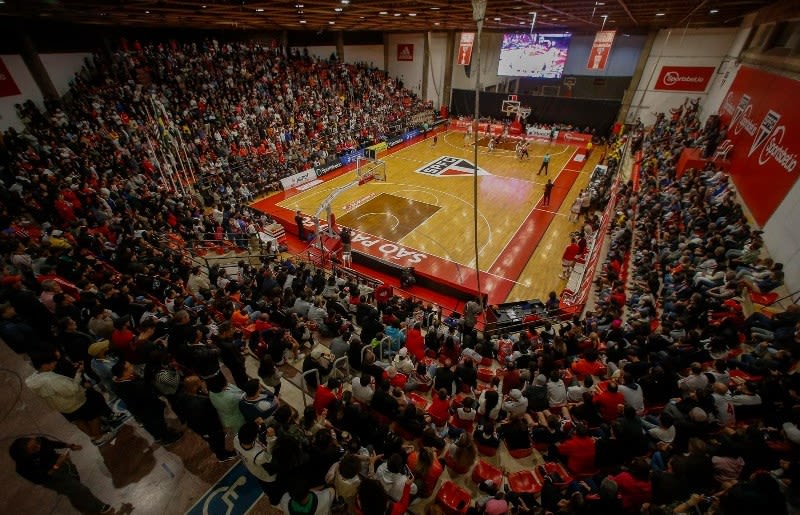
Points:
[465,48]
[405,52]
[8,87]
[760,110]
[684,78]
[601,48]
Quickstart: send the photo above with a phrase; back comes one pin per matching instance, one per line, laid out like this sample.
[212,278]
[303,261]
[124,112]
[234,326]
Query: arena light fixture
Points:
[331,22]
[303,22]
[345,2]
[260,10]
[435,8]
[713,11]
[398,14]
[337,9]
[496,18]
[436,23]
[383,13]
[412,14]
[660,14]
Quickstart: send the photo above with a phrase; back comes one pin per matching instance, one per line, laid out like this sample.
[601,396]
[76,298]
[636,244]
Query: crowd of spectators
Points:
[668,401]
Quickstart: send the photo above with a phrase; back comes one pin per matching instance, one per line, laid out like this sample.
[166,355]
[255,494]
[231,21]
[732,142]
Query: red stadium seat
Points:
[453,499]
[524,482]
[418,400]
[483,471]
[765,299]
[560,475]
[485,450]
[520,453]
[454,468]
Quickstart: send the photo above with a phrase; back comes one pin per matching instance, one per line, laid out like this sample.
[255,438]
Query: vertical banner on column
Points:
[465,48]
[8,87]
[405,52]
[601,48]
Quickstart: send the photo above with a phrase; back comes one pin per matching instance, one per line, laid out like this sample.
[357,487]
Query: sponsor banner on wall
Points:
[351,156]
[760,110]
[379,147]
[394,141]
[405,52]
[538,132]
[601,48]
[328,167]
[411,134]
[684,78]
[298,179]
[8,87]
[575,138]
[465,48]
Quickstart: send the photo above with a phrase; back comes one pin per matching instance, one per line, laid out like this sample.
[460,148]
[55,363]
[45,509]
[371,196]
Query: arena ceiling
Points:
[389,15]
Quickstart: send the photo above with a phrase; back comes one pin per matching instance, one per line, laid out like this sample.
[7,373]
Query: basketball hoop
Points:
[524,113]
[510,107]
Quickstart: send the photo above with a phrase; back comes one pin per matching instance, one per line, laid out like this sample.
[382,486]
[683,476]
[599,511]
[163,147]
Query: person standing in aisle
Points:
[548,189]
[545,163]
[46,462]
[298,219]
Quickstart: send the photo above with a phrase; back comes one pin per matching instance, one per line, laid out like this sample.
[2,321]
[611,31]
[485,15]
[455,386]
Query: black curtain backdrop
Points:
[581,112]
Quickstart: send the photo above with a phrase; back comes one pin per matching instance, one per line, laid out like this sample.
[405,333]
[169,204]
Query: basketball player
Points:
[545,163]
[518,150]
[524,150]
[548,190]
[491,143]
[435,139]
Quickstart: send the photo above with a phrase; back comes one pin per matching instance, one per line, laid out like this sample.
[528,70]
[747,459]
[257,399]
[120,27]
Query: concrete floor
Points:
[131,472]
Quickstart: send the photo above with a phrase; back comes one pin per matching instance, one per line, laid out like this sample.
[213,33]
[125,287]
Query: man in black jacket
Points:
[194,408]
[141,400]
[39,461]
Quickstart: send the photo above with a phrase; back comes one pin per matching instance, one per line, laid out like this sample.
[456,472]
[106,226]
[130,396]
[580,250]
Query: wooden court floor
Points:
[426,204]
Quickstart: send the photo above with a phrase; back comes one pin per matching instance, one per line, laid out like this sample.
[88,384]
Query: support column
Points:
[340,46]
[426,64]
[386,53]
[627,99]
[447,87]
[35,66]
[285,43]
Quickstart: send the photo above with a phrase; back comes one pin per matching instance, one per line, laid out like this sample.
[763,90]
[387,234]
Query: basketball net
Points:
[478,10]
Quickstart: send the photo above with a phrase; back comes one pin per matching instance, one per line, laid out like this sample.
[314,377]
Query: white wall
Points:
[436,65]
[62,68]
[678,47]
[410,72]
[491,43]
[370,54]
[27,87]
[783,238]
[322,51]
[725,75]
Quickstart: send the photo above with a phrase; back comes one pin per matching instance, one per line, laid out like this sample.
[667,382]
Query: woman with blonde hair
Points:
[461,454]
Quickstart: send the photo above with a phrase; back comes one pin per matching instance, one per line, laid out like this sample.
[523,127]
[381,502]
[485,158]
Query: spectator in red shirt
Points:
[122,339]
[609,401]
[415,343]
[588,366]
[634,486]
[579,450]
[568,258]
[325,395]
[440,407]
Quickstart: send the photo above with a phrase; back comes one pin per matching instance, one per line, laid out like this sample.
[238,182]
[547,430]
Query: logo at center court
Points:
[447,166]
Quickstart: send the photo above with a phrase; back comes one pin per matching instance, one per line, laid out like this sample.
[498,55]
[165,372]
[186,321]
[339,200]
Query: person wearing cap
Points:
[402,362]
[101,364]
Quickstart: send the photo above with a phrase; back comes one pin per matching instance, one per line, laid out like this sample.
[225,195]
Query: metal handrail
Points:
[304,388]
[342,365]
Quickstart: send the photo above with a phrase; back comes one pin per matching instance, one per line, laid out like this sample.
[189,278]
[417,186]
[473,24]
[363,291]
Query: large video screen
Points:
[534,55]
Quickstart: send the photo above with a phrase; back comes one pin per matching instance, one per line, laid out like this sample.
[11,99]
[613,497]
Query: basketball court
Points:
[421,215]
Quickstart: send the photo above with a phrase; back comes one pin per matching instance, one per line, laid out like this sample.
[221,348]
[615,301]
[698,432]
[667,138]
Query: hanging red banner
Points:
[465,48]
[601,48]
[8,87]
